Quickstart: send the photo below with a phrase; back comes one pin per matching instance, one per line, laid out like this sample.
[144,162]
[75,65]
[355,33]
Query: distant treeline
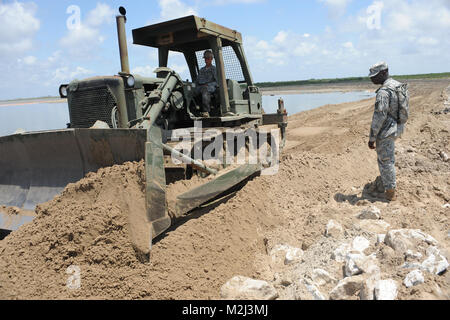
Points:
[350,79]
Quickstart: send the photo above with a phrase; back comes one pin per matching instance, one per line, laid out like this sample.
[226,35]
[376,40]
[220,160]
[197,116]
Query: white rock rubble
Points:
[347,287]
[386,290]
[371,213]
[406,239]
[322,277]
[333,229]
[414,278]
[360,244]
[243,288]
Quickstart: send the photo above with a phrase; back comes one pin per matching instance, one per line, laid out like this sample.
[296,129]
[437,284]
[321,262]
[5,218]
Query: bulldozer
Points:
[128,117]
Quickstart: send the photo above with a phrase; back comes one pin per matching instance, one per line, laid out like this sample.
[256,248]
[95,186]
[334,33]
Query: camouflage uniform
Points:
[384,131]
[207,76]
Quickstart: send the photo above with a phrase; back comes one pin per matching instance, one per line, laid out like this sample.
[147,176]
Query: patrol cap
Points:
[208,53]
[377,68]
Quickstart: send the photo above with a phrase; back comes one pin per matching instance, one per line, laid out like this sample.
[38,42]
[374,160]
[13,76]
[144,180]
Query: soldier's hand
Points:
[372,145]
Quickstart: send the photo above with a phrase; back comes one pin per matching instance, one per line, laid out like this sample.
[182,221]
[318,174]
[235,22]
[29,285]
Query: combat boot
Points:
[390,195]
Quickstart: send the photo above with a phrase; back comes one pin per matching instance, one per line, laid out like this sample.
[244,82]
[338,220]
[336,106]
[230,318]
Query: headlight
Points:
[63,90]
[130,81]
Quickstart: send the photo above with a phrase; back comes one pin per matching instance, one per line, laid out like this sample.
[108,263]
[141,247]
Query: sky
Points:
[46,43]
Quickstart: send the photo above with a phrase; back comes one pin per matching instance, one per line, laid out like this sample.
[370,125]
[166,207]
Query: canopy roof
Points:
[183,34]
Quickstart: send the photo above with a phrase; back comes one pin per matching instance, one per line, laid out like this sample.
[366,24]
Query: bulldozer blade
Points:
[35,167]
[12,222]
[210,190]
[155,184]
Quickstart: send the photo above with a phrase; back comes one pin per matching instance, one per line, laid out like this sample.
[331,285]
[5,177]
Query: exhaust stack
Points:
[121,33]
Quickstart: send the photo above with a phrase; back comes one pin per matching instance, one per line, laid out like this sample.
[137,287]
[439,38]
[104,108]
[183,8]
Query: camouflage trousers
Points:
[386,161]
[206,98]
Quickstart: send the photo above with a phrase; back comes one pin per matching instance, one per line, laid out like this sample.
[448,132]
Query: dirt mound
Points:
[86,227]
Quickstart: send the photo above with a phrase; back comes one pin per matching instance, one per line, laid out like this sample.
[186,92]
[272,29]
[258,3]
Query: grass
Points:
[350,79]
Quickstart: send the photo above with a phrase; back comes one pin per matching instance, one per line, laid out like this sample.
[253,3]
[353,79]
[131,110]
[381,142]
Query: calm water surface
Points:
[50,116]
[295,103]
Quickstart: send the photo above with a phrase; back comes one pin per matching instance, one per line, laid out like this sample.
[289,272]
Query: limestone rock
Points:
[414,278]
[322,277]
[312,289]
[371,213]
[415,256]
[360,244]
[293,255]
[351,264]
[407,239]
[412,265]
[100,125]
[374,226]
[432,250]
[435,263]
[334,229]
[286,253]
[358,263]
[368,289]
[444,156]
[347,288]
[386,290]
[243,288]
[341,252]
[380,238]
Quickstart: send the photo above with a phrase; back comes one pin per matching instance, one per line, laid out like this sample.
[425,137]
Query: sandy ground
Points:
[325,169]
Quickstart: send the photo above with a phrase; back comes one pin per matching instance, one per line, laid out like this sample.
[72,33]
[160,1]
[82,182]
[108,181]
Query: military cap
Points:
[377,68]
[208,53]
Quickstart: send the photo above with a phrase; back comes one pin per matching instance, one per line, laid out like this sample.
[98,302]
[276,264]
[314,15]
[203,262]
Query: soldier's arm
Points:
[201,76]
[215,74]
[380,114]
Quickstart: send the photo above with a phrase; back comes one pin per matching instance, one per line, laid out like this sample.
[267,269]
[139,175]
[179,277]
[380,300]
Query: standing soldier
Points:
[386,125]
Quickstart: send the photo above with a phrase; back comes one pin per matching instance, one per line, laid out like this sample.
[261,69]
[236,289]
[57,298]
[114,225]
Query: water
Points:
[49,116]
[295,103]
[33,117]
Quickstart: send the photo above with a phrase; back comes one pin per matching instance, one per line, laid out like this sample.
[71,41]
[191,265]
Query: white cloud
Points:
[101,14]
[224,2]
[176,62]
[336,7]
[348,45]
[145,71]
[65,74]
[82,40]
[281,37]
[18,27]
[413,38]
[30,60]
[172,9]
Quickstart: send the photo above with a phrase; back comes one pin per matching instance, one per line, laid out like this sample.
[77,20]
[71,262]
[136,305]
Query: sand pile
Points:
[87,227]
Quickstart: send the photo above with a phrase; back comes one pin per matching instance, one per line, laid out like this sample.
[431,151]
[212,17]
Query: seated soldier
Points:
[207,82]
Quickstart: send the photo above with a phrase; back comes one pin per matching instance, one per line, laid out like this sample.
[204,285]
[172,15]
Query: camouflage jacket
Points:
[208,76]
[384,121]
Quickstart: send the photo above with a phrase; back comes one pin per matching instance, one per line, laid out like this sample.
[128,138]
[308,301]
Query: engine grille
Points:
[89,105]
